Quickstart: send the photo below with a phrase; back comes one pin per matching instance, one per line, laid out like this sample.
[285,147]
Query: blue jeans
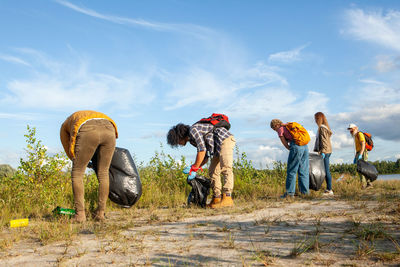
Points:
[298,162]
[328,177]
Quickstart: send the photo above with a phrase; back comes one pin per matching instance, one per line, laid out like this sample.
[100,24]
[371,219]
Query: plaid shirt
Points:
[207,138]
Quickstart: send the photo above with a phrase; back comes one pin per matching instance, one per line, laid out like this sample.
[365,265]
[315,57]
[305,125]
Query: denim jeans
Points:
[328,177]
[298,162]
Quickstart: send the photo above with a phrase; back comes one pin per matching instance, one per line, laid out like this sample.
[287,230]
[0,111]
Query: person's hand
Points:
[357,158]
[192,176]
[192,171]
[186,170]
[323,155]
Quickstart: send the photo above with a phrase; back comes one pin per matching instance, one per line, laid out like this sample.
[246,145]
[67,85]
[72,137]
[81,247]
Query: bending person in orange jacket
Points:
[81,135]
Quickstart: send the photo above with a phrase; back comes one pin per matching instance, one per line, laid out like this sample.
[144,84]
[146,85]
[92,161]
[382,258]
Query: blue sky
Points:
[152,64]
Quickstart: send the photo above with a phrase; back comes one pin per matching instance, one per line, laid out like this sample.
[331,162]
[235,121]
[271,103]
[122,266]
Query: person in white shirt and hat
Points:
[360,151]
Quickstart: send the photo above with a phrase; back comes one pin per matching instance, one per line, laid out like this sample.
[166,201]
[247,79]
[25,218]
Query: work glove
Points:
[323,155]
[356,158]
[186,170]
[192,171]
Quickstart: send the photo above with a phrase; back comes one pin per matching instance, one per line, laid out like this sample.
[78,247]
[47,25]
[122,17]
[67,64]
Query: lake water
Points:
[389,177]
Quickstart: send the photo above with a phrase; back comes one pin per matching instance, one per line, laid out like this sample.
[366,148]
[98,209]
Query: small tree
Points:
[39,166]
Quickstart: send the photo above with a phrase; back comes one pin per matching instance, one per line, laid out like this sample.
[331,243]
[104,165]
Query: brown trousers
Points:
[223,164]
[94,134]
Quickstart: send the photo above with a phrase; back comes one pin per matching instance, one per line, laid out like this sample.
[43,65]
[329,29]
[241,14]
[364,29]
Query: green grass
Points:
[43,182]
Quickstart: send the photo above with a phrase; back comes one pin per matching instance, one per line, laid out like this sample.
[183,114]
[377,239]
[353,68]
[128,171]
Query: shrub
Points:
[40,183]
[6,170]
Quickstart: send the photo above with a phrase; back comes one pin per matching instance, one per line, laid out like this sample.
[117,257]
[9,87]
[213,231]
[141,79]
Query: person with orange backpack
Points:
[361,150]
[295,138]
[212,138]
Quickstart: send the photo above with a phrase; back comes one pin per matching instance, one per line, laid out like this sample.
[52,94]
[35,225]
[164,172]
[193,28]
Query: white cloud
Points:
[197,85]
[63,86]
[377,27]
[341,139]
[19,116]
[387,63]
[287,56]
[267,103]
[13,59]
[376,93]
[194,30]
[256,92]
[380,120]
[375,108]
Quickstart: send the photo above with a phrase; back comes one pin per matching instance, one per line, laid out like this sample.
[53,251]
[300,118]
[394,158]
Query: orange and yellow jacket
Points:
[73,123]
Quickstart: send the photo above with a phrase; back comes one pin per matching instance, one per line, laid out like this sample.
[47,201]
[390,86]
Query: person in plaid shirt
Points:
[212,142]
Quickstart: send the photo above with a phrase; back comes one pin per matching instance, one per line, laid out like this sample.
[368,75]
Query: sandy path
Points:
[267,236]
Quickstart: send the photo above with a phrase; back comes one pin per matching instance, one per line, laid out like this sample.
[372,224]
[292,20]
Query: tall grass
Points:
[43,182]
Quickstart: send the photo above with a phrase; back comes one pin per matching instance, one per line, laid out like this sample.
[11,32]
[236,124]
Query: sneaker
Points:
[287,195]
[328,193]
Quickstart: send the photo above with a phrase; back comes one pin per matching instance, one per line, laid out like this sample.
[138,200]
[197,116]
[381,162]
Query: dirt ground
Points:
[322,232]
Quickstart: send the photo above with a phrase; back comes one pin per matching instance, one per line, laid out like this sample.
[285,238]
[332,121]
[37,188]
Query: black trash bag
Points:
[125,185]
[317,171]
[367,169]
[200,190]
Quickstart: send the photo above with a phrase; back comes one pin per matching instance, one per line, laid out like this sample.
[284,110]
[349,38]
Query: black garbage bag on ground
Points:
[367,169]
[317,171]
[200,190]
[125,185]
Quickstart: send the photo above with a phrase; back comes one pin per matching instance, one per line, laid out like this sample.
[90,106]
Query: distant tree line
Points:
[6,170]
[383,167]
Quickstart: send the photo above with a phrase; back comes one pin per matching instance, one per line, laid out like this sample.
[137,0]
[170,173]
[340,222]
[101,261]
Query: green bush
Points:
[40,183]
[6,170]
[43,182]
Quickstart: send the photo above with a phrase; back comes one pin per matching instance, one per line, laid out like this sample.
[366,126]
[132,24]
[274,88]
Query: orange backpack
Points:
[299,133]
[369,144]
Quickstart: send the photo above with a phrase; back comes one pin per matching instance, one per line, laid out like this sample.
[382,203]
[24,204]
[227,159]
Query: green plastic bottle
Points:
[64,211]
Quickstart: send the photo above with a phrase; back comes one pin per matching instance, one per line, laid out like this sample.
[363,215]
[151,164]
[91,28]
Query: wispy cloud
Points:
[194,30]
[19,116]
[379,27]
[287,56]
[381,120]
[387,63]
[377,93]
[377,109]
[60,85]
[13,59]
[197,86]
